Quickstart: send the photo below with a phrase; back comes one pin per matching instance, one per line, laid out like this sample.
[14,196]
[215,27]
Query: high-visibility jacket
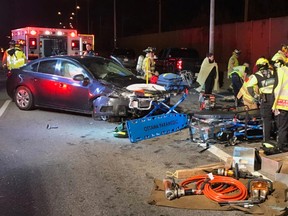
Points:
[15,58]
[148,67]
[240,70]
[279,58]
[233,62]
[281,90]
[264,82]
[248,99]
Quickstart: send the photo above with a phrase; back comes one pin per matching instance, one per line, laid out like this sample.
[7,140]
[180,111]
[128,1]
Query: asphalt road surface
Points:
[76,167]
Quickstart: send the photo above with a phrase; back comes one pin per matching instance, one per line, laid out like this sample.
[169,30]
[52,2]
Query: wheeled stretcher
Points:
[229,127]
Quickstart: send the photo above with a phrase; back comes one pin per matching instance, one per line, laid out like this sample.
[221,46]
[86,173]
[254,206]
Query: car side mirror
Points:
[80,77]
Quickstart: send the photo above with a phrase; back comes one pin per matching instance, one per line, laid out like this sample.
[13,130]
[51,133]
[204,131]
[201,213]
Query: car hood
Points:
[123,81]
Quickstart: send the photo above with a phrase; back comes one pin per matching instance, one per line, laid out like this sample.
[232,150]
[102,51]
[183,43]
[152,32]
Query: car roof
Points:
[78,58]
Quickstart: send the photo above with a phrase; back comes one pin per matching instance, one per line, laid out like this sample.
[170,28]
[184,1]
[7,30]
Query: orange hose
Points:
[220,189]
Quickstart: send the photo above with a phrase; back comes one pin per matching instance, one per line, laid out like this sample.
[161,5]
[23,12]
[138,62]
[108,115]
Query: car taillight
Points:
[32,43]
[179,64]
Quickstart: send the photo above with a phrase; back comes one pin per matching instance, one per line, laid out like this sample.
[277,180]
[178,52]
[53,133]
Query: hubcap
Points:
[22,98]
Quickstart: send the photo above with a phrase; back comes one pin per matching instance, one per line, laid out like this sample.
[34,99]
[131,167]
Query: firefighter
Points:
[238,75]
[280,108]
[13,57]
[233,62]
[264,79]
[148,65]
[280,57]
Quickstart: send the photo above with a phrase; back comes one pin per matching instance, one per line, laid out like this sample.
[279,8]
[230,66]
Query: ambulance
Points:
[39,42]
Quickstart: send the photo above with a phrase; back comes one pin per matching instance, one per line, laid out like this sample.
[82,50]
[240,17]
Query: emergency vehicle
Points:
[40,42]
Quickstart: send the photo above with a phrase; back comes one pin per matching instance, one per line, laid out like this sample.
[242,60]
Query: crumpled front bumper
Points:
[109,106]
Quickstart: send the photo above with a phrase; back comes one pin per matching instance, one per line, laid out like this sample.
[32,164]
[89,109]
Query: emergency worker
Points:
[233,62]
[264,79]
[238,75]
[13,57]
[280,108]
[280,57]
[148,65]
[89,51]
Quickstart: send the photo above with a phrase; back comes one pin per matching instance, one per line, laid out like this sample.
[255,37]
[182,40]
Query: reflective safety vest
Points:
[281,90]
[264,80]
[15,58]
[240,70]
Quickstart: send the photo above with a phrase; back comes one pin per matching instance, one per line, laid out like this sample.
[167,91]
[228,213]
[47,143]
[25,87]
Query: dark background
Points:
[133,17]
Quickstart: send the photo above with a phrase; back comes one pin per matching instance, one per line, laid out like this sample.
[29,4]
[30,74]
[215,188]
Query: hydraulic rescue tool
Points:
[173,190]
[234,172]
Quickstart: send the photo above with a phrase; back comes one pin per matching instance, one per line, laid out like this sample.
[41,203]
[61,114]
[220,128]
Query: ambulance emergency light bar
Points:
[44,31]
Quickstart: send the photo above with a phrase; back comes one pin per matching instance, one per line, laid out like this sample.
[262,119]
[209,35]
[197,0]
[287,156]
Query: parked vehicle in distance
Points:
[125,57]
[174,60]
[73,83]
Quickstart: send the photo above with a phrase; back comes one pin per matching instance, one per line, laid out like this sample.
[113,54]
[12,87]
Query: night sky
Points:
[96,16]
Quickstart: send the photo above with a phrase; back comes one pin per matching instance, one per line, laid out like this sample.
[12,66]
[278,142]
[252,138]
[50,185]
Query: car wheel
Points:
[23,98]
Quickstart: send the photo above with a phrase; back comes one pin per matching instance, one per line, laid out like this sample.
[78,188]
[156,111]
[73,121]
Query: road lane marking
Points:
[4,107]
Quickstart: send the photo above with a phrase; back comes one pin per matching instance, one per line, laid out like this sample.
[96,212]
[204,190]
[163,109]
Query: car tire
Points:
[24,98]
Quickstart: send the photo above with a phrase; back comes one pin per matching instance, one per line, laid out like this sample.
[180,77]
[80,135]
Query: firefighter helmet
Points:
[236,51]
[149,49]
[262,63]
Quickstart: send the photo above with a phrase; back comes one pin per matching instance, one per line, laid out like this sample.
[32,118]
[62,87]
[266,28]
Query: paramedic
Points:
[264,79]
[13,57]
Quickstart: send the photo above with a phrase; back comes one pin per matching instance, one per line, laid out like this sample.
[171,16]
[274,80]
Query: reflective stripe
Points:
[281,90]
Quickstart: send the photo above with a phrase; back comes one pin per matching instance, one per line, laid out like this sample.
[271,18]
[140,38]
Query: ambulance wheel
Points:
[24,98]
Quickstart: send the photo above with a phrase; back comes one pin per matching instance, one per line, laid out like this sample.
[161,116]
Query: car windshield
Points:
[103,68]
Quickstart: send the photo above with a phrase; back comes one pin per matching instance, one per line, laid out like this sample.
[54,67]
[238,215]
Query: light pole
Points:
[115,34]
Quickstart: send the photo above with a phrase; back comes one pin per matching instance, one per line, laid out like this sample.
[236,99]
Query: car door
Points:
[71,94]
[44,82]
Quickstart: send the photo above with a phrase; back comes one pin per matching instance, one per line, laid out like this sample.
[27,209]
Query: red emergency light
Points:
[72,34]
[33,32]
[75,44]
[32,43]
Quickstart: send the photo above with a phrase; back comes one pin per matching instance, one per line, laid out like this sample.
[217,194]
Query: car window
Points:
[100,68]
[32,67]
[69,69]
[48,66]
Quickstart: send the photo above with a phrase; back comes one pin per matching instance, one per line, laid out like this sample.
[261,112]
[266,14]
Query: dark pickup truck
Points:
[174,60]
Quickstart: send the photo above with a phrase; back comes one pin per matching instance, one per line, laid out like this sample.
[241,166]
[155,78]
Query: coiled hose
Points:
[219,189]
